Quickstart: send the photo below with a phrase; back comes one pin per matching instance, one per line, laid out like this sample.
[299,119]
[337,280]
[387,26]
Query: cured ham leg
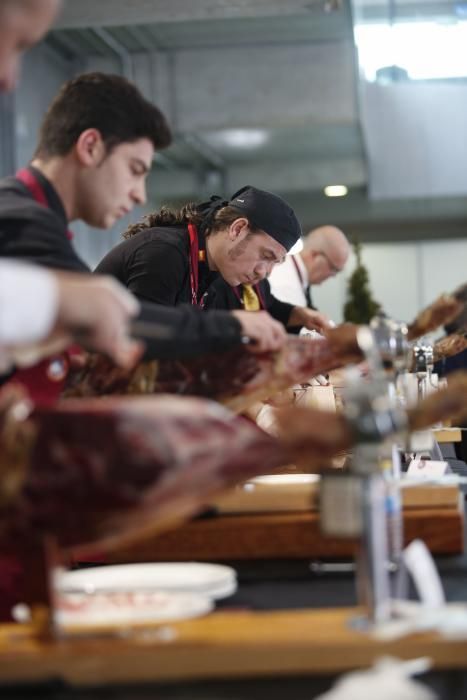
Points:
[98,473]
[443,310]
[445,403]
[99,468]
[237,378]
[451,345]
[240,378]
[459,323]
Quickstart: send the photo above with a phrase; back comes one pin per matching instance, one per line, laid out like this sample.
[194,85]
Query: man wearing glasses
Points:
[325,253]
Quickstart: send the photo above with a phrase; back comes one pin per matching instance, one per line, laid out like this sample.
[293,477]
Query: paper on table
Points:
[388,679]
[422,568]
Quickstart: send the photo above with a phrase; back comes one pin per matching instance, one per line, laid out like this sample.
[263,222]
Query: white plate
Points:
[211,580]
[135,608]
[285,479]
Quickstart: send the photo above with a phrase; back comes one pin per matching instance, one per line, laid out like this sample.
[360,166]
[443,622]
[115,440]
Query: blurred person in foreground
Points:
[62,304]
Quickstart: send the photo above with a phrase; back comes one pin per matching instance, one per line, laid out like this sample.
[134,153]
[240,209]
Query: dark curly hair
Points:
[190,213]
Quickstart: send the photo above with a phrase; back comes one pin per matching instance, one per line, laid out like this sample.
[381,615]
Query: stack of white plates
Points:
[136,593]
[211,580]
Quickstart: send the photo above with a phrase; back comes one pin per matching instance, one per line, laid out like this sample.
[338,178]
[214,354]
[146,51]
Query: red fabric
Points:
[11,575]
[28,178]
[37,380]
[45,381]
[196,256]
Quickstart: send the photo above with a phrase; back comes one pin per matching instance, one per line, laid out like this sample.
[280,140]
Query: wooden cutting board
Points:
[447,434]
[289,493]
[269,521]
[284,536]
[222,645]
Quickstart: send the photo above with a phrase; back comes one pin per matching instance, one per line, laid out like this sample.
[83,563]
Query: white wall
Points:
[404,277]
[92,244]
[415,139]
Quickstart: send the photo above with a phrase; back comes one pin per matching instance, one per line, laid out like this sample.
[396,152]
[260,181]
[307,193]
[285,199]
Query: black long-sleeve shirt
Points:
[32,232]
[154,264]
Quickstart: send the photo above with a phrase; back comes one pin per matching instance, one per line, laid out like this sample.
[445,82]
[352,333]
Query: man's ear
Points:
[238,229]
[90,148]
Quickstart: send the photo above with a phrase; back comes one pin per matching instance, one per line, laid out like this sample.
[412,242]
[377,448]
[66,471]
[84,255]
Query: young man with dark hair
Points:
[95,150]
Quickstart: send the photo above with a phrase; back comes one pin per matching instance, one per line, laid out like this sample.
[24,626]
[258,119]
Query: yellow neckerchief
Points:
[250,298]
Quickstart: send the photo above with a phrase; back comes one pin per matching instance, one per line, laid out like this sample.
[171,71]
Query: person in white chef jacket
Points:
[325,253]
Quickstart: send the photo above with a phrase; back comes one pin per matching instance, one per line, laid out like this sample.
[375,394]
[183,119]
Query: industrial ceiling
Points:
[267,92]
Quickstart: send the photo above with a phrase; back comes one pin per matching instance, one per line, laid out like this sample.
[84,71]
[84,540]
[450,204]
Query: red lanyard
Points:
[28,178]
[299,272]
[45,380]
[258,291]
[196,255]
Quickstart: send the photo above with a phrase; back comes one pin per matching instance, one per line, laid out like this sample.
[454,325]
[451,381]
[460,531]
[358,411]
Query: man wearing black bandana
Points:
[173,257]
[209,254]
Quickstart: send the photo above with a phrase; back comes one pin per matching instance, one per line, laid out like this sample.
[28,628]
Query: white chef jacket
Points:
[285,281]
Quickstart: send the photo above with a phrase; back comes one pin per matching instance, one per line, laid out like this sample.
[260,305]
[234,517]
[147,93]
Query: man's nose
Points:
[261,270]
[9,76]
[139,193]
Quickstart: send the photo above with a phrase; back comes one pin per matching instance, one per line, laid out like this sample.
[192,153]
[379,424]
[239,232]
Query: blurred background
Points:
[296,96]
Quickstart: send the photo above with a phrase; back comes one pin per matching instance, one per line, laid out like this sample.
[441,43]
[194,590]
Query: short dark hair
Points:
[108,103]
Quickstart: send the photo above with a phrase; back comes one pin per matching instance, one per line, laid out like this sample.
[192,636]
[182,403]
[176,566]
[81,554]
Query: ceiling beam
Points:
[107,13]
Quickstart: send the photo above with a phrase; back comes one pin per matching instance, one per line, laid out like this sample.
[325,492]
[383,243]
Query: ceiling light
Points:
[335,191]
[244,138]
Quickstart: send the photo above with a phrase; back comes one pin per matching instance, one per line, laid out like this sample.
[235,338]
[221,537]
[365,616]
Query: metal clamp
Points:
[392,342]
[423,358]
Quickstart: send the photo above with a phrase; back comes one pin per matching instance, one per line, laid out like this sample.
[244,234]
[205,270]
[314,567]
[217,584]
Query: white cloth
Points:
[285,282]
[28,303]
[387,680]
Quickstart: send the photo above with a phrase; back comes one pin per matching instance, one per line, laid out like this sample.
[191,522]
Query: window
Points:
[420,50]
